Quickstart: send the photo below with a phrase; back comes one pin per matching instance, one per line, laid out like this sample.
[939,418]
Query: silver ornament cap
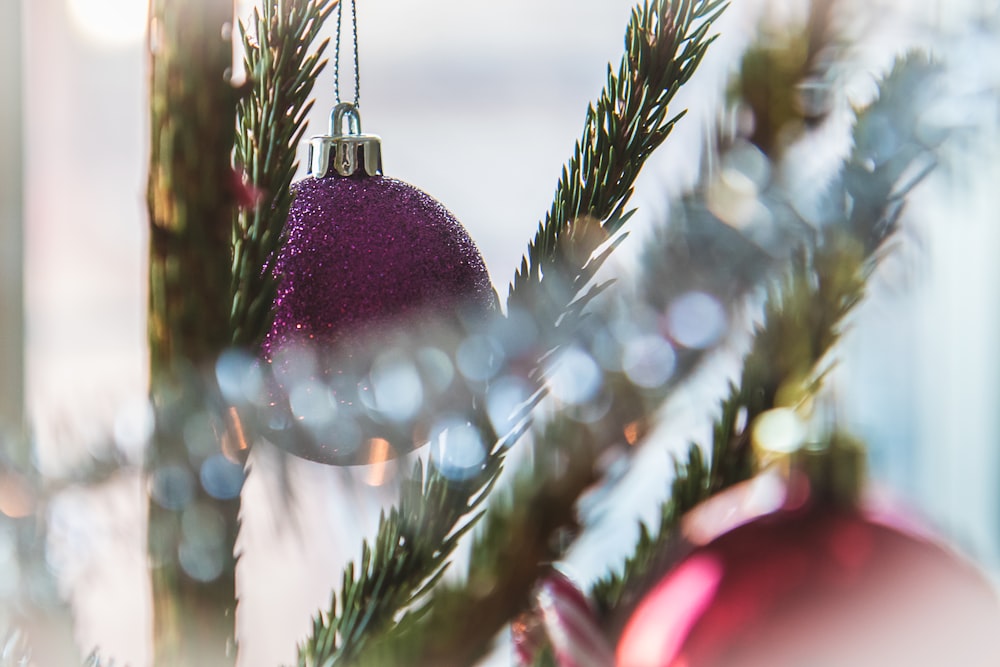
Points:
[345,151]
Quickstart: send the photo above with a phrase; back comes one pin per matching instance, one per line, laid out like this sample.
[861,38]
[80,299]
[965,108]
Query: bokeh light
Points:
[221,478]
[294,363]
[312,403]
[574,376]
[171,486]
[457,450]
[436,368]
[649,361]
[696,320]
[479,357]
[379,459]
[778,431]
[16,499]
[734,195]
[201,552]
[505,403]
[398,390]
[240,378]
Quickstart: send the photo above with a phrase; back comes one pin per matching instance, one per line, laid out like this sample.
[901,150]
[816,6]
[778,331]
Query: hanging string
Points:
[336,53]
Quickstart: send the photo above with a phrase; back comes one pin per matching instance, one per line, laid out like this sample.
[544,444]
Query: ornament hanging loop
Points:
[336,52]
[345,120]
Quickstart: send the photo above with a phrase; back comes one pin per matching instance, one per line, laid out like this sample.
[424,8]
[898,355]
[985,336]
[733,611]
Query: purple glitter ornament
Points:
[363,252]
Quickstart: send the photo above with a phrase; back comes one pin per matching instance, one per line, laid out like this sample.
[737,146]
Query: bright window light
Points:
[110,23]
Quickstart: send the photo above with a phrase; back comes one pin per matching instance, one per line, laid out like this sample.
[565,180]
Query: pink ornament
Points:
[819,585]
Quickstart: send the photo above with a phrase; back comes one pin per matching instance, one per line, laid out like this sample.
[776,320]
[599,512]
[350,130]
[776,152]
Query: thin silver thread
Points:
[336,53]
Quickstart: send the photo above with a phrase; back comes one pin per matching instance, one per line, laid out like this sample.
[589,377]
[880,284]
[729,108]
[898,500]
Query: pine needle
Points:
[282,66]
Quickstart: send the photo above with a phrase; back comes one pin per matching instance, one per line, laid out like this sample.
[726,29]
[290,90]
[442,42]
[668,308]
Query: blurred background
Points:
[479,104]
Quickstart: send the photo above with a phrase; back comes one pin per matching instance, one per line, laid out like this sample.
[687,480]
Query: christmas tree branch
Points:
[781,80]
[802,318]
[458,623]
[271,121]
[191,531]
[665,41]
[410,552]
[800,326]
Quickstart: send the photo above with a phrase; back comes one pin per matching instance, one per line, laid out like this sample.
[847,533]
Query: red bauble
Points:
[815,587]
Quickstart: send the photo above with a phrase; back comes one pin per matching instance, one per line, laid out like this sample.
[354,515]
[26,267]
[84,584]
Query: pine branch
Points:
[410,553]
[773,72]
[419,635]
[198,235]
[802,319]
[800,327]
[665,41]
[271,121]
[459,622]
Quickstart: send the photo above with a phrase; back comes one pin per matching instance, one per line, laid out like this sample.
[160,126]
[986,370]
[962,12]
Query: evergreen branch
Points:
[773,71]
[801,322]
[410,553]
[271,121]
[370,604]
[458,623]
[665,41]
[653,552]
[801,325]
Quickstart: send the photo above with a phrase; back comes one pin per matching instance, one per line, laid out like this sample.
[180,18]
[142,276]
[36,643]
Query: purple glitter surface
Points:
[364,250]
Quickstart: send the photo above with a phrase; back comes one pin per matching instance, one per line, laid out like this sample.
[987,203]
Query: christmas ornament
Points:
[562,618]
[363,251]
[821,583]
